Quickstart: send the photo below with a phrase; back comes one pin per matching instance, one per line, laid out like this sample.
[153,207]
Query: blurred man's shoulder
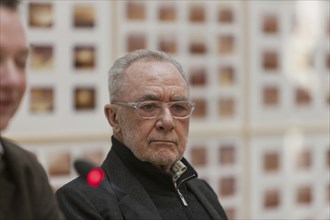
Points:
[13,151]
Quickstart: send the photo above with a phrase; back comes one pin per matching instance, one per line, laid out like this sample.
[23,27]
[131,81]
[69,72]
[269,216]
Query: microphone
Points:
[91,173]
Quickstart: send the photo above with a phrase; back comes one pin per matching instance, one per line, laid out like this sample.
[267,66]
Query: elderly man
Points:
[146,176]
[24,189]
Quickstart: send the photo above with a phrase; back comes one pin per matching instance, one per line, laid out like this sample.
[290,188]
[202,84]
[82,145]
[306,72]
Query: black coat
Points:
[25,190]
[121,196]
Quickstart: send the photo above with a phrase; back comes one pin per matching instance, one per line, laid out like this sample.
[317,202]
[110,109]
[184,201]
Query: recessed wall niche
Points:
[197,13]
[227,155]
[167,43]
[135,10]
[270,96]
[200,108]
[167,12]
[83,15]
[302,96]
[198,155]
[198,45]
[226,44]
[84,98]
[270,60]
[226,107]
[41,99]
[304,159]
[271,198]
[271,162]
[225,14]
[59,163]
[40,15]
[84,56]
[226,75]
[227,186]
[136,41]
[303,194]
[198,76]
[41,57]
[270,24]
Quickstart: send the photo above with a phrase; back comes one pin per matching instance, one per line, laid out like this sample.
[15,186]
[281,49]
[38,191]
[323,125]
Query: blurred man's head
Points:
[13,4]
[13,56]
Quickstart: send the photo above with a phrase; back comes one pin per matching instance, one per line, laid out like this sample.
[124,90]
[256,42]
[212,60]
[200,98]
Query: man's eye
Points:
[179,107]
[21,63]
[148,107]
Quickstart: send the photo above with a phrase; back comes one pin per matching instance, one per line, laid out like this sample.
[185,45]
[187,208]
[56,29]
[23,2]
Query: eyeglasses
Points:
[153,109]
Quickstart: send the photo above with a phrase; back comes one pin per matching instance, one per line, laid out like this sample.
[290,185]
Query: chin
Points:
[164,159]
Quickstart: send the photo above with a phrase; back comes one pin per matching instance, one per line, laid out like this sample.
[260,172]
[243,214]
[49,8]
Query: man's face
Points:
[13,55]
[160,141]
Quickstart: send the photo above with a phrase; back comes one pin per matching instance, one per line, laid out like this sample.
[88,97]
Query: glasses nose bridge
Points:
[164,106]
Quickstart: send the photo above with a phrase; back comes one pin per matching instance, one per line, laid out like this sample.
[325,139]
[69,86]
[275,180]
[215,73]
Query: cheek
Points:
[21,84]
[183,132]
[136,128]
[20,88]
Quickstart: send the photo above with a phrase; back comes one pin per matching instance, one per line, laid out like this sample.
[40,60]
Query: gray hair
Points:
[116,72]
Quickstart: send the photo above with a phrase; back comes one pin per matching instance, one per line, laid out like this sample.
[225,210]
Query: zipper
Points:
[179,193]
[185,179]
[182,198]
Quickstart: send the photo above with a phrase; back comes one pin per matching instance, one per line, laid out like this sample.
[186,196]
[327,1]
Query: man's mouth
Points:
[166,142]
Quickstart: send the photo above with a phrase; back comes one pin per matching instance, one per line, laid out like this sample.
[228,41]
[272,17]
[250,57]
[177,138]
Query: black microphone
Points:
[90,172]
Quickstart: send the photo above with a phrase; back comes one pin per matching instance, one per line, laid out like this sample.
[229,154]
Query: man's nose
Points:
[166,120]
[10,74]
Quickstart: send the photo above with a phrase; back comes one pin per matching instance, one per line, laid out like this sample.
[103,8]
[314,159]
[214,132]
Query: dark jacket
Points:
[121,196]
[25,190]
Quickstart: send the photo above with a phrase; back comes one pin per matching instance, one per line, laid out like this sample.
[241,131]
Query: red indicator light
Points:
[94,176]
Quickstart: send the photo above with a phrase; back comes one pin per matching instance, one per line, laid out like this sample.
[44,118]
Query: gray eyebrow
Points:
[154,97]
[148,96]
[179,98]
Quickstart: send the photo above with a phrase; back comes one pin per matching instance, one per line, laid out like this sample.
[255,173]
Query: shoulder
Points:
[22,163]
[13,152]
[78,200]
[205,187]
[79,190]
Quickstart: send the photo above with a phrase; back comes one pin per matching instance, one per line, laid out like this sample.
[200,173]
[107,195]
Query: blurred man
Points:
[146,174]
[24,189]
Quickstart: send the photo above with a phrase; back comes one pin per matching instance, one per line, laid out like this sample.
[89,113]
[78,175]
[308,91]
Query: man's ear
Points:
[111,114]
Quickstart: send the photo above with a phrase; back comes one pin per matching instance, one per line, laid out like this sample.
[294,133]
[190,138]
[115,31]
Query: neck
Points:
[164,168]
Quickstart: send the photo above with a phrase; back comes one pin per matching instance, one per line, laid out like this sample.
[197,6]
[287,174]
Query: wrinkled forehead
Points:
[150,70]
[154,76]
